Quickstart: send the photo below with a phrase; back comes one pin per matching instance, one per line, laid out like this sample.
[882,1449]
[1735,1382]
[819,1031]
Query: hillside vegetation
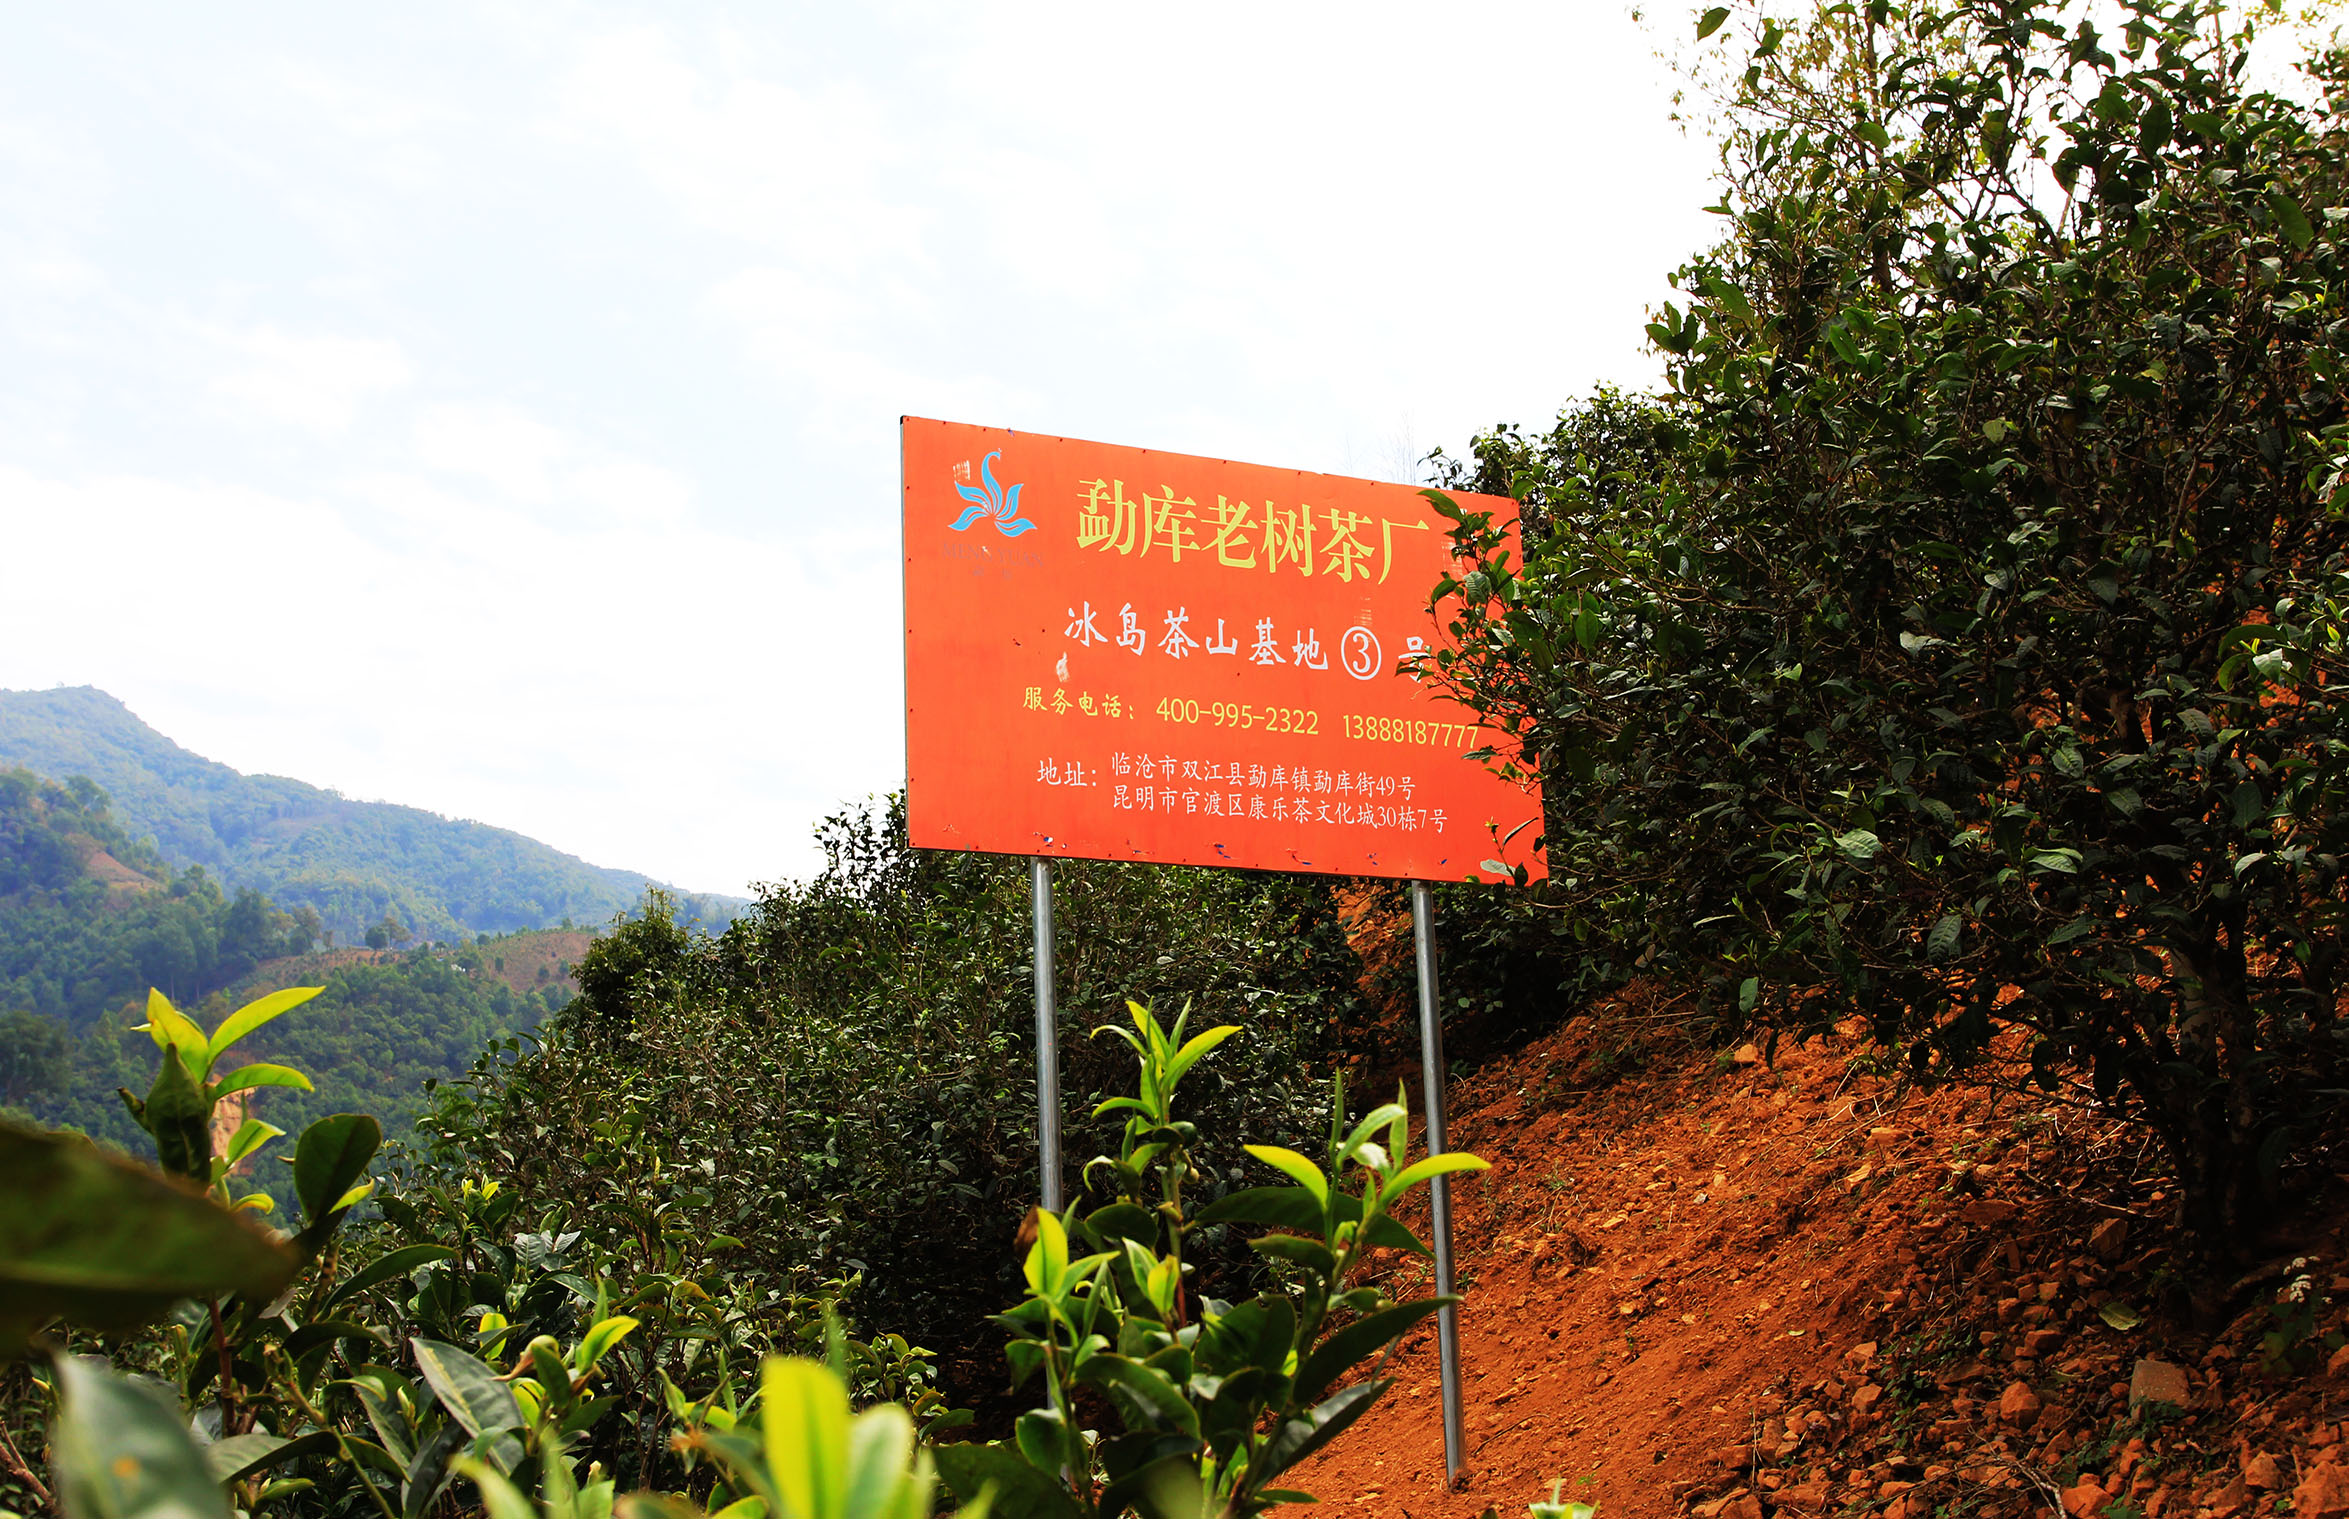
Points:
[91,918]
[385,1028]
[1956,642]
[352,863]
[846,1075]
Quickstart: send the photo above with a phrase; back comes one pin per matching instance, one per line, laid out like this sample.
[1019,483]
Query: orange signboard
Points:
[1124,654]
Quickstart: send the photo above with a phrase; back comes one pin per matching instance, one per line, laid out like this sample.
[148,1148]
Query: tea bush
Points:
[1216,1400]
[277,1365]
[1953,645]
[843,1082]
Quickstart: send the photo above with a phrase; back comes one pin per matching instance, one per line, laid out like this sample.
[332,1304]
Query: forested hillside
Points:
[354,864]
[90,918]
[386,1026]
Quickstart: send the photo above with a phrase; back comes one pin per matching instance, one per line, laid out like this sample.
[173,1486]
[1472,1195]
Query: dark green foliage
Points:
[1514,961]
[1215,1400]
[481,1264]
[847,1073]
[1954,645]
[351,863]
[90,919]
[368,1383]
[36,1057]
[376,1038]
[1598,457]
[112,1244]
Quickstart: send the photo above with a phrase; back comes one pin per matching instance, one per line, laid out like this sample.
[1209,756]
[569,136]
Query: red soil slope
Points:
[1735,1288]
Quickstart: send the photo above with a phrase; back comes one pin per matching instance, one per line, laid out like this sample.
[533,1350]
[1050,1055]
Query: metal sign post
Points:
[1047,1039]
[1431,1060]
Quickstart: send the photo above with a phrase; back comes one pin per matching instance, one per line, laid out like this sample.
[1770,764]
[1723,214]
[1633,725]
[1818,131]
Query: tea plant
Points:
[177,1111]
[843,1080]
[1950,645]
[1217,1399]
[339,1371]
[815,1460]
[2291,1339]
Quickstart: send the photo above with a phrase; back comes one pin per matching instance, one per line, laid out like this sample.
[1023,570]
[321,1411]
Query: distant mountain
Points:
[352,863]
[91,917]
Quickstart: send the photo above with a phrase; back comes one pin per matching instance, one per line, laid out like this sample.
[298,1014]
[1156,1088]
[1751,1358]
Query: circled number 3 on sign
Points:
[1358,651]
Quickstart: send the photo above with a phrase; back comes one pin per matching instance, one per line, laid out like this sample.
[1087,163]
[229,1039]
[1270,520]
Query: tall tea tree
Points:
[1972,659]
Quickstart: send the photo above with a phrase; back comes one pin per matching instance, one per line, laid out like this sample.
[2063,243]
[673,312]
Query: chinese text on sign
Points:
[1118,653]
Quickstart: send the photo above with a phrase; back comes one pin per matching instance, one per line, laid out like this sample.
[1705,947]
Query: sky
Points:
[492,407]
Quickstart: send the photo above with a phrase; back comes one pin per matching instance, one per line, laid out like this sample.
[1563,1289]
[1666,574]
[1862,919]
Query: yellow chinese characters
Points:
[1239,535]
[1033,699]
[1110,519]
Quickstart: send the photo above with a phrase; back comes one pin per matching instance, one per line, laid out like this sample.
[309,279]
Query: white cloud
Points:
[536,465]
[632,489]
[677,701]
[808,168]
[536,367]
[496,443]
[836,360]
[1258,222]
[315,381]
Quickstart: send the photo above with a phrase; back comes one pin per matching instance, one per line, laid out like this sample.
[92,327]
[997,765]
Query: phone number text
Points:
[1305,720]
[1239,714]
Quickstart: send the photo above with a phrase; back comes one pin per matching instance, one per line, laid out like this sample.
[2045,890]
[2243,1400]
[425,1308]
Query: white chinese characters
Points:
[1256,792]
[1358,651]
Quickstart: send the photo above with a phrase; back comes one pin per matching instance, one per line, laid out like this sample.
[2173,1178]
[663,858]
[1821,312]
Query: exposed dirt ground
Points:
[1733,1286]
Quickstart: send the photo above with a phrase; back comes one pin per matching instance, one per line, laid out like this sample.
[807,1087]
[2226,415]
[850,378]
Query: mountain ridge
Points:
[352,862]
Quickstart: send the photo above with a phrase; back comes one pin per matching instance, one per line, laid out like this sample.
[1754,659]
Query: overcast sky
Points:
[492,407]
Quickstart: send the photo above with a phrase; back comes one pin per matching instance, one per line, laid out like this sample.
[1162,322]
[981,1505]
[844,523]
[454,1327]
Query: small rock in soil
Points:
[2085,1500]
[2322,1493]
[2261,1472]
[2158,1382]
[2018,1405]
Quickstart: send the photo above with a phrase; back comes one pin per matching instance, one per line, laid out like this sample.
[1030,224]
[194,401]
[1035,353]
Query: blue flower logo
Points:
[993,501]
